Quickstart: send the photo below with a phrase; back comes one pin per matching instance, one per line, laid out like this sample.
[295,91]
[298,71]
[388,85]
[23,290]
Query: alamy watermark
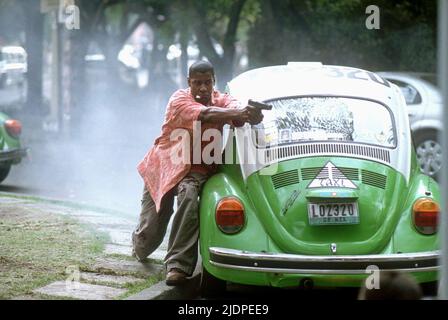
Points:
[72,282]
[373,280]
[373,20]
[206,147]
[69,14]
[72,20]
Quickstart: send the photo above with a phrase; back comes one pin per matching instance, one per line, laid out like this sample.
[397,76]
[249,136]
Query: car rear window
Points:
[305,119]
[411,95]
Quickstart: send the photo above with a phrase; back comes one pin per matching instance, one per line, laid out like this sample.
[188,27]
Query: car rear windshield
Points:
[305,119]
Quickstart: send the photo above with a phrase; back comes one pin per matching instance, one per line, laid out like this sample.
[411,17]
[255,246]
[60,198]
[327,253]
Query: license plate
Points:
[333,213]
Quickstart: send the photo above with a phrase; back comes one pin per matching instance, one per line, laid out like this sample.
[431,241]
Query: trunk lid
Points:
[309,206]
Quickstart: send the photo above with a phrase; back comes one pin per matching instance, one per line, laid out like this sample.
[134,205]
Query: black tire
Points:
[430,289]
[211,287]
[427,146]
[4,171]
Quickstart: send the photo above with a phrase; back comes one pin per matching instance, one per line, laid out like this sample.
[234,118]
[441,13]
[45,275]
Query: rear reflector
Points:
[230,215]
[425,215]
[13,127]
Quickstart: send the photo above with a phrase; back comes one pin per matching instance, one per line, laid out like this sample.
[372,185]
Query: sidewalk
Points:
[106,273]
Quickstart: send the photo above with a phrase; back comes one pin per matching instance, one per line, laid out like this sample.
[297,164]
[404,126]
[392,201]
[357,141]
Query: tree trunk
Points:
[228,59]
[223,64]
[184,56]
[161,86]
[34,34]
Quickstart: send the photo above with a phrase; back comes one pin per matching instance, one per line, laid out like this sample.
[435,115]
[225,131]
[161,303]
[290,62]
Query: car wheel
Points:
[429,152]
[4,172]
[210,285]
[430,288]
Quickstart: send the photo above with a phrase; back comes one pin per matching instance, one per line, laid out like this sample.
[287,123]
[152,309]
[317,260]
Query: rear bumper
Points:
[14,154]
[305,264]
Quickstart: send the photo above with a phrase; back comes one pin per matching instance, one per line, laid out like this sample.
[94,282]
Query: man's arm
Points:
[238,116]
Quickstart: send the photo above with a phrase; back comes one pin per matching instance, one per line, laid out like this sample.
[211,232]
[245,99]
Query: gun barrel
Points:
[259,105]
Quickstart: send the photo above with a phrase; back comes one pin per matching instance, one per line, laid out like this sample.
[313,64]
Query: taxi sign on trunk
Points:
[331,177]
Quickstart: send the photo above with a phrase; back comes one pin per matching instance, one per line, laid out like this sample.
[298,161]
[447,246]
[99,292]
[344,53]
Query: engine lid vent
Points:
[374,179]
[280,153]
[286,178]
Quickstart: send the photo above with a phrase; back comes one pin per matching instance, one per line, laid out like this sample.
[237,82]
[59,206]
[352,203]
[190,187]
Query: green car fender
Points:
[252,237]
[6,140]
[406,237]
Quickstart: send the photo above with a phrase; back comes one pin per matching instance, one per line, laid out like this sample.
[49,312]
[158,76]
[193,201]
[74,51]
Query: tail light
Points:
[425,215]
[13,127]
[230,215]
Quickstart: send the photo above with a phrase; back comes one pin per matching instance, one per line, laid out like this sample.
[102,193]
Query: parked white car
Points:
[13,69]
[13,65]
[424,102]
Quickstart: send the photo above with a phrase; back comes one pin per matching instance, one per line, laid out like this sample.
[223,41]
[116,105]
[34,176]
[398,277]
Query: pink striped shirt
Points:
[159,172]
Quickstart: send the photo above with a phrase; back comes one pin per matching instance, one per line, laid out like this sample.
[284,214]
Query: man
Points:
[165,178]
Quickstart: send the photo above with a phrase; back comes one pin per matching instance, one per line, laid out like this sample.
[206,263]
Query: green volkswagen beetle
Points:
[326,187]
[11,151]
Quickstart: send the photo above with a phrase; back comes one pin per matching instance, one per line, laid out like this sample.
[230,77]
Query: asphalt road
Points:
[97,163]
[102,174]
[240,292]
[94,165]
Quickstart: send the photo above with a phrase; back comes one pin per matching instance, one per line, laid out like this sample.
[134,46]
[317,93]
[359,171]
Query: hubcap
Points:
[429,156]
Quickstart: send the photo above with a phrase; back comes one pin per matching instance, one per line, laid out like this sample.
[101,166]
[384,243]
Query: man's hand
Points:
[251,115]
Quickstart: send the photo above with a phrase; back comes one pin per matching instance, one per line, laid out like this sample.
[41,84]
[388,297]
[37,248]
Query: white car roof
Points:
[13,49]
[315,79]
[308,79]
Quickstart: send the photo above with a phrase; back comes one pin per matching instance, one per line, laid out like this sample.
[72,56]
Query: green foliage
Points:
[267,31]
[334,32]
[12,22]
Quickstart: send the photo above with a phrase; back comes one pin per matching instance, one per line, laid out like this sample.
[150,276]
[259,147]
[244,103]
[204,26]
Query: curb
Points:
[160,291]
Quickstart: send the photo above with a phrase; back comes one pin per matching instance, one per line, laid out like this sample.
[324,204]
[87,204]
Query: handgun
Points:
[259,105]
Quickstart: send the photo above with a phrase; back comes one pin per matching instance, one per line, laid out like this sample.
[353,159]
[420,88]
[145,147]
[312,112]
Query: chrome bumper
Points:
[305,264]
[13,154]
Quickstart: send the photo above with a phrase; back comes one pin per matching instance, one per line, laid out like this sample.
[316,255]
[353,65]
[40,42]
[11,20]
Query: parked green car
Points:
[11,151]
[326,189]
